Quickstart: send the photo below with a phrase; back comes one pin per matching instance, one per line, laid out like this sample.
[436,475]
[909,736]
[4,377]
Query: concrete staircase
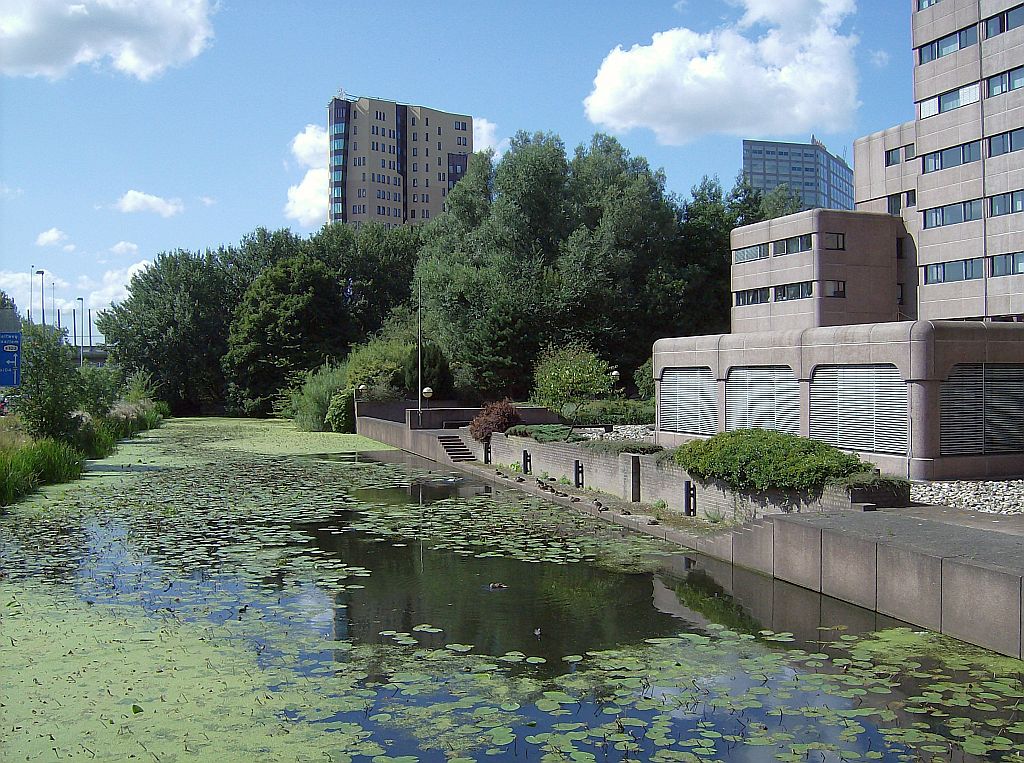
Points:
[455,448]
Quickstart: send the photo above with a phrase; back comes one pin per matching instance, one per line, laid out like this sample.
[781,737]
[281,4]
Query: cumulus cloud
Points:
[69,248]
[19,285]
[207,201]
[137,201]
[879,58]
[51,237]
[485,135]
[113,287]
[783,68]
[308,201]
[7,192]
[125,247]
[140,38]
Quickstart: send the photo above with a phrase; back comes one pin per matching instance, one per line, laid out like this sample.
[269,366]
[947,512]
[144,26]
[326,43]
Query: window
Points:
[922,4]
[415,151]
[752,297]
[951,157]
[893,156]
[1005,82]
[909,152]
[951,214]
[793,291]
[910,199]
[949,272]
[792,245]
[899,294]
[337,175]
[1006,203]
[1005,21]
[337,144]
[895,204]
[834,289]
[749,253]
[954,99]
[338,128]
[1006,142]
[949,44]
[834,241]
[1008,264]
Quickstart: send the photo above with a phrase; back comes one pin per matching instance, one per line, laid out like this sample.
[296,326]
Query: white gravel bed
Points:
[620,432]
[995,497]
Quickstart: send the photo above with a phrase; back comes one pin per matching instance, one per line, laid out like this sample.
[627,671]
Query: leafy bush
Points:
[545,432]
[101,386]
[311,400]
[96,439]
[763,459]
[614,447]
[162,408]
[493,417]
[436,373]
[378,364]
[139,387]
[644,380]
[341,413]
[599,412]
[566,376]
[51,385]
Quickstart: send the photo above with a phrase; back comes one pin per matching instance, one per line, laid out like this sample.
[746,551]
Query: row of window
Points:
[338,128]
[461,140]
[974,268]
[461,125]
[1005,21]
[966,211]
[922,4]
[949,44]
[388,195]
[1005,82]
[968,94]
[385,133]
[897,201]
[788,293]
[897,155]
[793,245]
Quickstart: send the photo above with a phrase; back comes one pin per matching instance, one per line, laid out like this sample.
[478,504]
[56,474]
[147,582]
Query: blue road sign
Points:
[10,359]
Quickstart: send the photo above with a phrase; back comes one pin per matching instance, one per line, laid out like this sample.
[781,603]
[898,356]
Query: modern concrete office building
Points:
[391,162]
[820,179]
[896,330]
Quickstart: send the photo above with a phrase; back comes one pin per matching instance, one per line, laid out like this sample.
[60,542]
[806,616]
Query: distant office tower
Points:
[391,162]
[820,179]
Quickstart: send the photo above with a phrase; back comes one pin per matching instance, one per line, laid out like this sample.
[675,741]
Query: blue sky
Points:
[131,127]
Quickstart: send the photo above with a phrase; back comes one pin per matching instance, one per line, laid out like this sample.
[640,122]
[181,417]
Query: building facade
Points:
[820,179]
[895,331]
[391,162]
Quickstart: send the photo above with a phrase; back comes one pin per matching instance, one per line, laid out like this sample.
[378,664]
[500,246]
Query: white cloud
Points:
[784,68]
[140,38]
[308,201]
[7,192]
[125,247]
[137,201]
[485,135]
[51,237]
[879,58]
[19,285]
[207,201]
[69,248]
[113,287]
[310,147]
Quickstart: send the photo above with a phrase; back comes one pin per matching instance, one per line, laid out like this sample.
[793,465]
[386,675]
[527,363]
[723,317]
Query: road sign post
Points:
[10,359]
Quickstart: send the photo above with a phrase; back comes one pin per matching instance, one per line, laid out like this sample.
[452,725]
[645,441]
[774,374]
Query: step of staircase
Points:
[455,448]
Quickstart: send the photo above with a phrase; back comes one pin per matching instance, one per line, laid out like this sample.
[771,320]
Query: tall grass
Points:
[311,401]
[44,462]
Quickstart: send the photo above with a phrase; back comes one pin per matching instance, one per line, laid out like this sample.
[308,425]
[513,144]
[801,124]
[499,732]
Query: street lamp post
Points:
[360,390]
[81,347]
[419,342]
[31,290]
[42,296]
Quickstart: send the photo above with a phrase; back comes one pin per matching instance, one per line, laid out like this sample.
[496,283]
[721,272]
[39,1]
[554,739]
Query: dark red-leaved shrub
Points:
[493,417]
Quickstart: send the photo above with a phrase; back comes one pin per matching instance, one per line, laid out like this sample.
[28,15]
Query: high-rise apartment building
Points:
[393,163]
[820,179]
[896,330]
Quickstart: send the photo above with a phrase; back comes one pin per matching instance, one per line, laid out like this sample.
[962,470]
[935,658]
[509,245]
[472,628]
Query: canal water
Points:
[403,612]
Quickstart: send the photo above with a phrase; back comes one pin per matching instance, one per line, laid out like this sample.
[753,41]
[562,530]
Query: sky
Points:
[134,127]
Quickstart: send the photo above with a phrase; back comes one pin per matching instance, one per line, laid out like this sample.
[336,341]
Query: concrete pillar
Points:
[925,441]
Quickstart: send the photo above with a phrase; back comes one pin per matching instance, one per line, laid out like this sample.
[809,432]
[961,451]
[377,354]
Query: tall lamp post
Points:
[81,347]
[42,296]
[31,290]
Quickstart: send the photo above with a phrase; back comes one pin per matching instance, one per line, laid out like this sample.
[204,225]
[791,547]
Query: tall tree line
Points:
[536,249]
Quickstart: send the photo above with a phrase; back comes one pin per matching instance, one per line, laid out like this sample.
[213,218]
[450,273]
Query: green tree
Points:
[707,258]
[568,375]
[174,325]
[100,388]
[779,202]
[294,317]
[51,385]
[378,364]
[436,372]
[745,203]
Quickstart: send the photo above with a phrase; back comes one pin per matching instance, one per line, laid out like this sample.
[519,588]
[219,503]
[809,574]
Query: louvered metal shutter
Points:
[860,407]
[762,397]
[982,410]
[688,401]
[962,411]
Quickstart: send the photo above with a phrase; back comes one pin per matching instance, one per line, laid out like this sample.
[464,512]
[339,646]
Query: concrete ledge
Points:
[973,593]
[798,554]
[848,568]
[909,585]
[754,548]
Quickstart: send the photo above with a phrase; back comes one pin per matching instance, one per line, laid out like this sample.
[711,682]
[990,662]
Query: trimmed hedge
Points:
[763,459]
[600,412]
[545,432]
[614,447]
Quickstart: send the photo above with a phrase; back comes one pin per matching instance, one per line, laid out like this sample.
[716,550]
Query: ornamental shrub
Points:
[763,459]
[311,400]
[545,432]
[493,417]
[341,413]
[378,364]
[568,375]
[600,412]
[614,447]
